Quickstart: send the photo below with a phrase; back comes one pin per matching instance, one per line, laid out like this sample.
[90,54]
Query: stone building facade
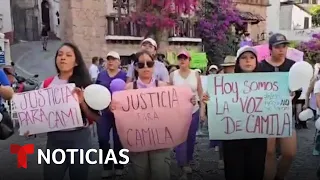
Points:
[83,23]
[93,26]
[25,19]
[254,13]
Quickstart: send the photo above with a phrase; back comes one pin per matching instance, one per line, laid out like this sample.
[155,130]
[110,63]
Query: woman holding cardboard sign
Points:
[185,76]
[154,164]
[71,68]
[245,159]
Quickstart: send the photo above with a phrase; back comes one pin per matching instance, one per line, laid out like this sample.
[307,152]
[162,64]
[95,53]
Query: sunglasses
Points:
[142,65]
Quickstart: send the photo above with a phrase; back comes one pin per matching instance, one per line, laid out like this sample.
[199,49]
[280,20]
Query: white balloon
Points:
[97,96]
[300,75]
[306,114]
[317,123]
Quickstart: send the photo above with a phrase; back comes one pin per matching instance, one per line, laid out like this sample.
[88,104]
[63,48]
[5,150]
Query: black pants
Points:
[104,125]
[244,159]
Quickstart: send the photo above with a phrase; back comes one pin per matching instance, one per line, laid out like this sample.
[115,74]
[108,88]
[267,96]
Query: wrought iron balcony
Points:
[185,28]
[117,28]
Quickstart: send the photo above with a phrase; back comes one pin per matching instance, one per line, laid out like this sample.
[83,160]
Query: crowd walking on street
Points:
[240,159]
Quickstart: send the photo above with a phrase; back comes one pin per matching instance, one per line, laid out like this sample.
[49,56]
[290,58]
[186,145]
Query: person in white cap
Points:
[198,70]
[160,71]
[244,159]
[107,121]
[94,69]
[213,69]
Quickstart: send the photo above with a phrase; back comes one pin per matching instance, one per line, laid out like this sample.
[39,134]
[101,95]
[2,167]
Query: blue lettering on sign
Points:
[2,57]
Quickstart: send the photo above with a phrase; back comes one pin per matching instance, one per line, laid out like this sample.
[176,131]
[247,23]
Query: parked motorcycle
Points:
[20,83]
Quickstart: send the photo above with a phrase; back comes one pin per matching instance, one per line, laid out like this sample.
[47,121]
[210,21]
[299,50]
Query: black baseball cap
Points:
[277,39]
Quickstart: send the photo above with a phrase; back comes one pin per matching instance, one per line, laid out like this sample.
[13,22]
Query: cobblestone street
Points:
[205,165]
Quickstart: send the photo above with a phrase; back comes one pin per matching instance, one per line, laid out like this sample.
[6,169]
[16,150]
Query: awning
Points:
[251,16]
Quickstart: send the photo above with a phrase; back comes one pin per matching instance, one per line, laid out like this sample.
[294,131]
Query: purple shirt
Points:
[142,85]
[160,71]
[104,79]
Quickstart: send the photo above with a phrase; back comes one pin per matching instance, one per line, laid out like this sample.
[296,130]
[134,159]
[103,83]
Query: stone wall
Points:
[83,23]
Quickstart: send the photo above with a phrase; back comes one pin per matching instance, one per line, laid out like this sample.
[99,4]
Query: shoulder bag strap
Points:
[135,86]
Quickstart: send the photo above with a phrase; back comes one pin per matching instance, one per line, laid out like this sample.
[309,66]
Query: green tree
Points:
[315,11]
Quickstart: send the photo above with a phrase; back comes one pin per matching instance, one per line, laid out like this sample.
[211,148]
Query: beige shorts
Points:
[151,165]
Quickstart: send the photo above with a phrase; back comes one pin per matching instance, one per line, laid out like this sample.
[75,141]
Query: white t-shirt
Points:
[190,81]
[94,71]
[316,91]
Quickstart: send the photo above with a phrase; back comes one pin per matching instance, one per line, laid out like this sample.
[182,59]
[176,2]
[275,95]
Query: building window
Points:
[184,28]
[314,2]
[306,23]
[122,7]
[116,26]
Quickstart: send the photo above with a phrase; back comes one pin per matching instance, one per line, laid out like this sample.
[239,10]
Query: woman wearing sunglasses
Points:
[155,164]
[186,76]
[150,164]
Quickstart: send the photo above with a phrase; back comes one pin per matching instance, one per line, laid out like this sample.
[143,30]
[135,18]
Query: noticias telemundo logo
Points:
[51,156]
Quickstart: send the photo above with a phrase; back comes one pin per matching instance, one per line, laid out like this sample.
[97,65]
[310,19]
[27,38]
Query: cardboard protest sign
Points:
[295,54]
[249,105]
[46,110]
[199,60]
[153,118]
